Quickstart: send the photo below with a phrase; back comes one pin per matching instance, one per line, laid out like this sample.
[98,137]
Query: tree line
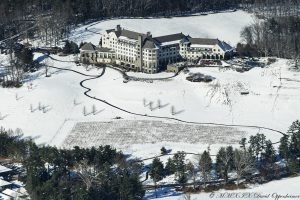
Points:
[78,173]
[255,155]
[276,36]
[105,173]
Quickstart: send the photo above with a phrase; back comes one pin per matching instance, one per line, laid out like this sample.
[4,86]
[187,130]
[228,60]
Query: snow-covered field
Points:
[275,190]
[48,108]
[270,103]
[225,26]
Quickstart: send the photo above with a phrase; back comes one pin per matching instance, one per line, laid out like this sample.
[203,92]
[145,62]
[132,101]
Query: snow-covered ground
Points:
[268,104]
[225,26]
[275,190]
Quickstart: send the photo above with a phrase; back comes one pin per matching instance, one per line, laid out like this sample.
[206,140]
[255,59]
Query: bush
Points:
[70,48]
[163,151]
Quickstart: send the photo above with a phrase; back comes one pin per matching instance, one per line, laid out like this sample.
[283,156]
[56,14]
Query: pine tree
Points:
[205,164]
[294,132]
[284,147]
[269,153]
[267,166]
[156,171]
[178,160]
[170,167]
[243,143]
[163,151]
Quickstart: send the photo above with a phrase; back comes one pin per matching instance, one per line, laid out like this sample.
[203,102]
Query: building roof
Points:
[88,47]
[14,194]
[225,47]
[109,30]
[204,41]
[4,169]
[149,44]
[4,183]
[169,38]
[5,197]
[129,34]
[103,49]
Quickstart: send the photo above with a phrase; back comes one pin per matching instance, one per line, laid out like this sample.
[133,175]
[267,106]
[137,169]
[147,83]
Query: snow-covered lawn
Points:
[268,103]
[225,26]
[276,190]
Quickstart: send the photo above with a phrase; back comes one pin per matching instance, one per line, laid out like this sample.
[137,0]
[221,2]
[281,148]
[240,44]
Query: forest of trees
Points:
[276,31]
[97,173]
[53,19]
[105,173]
[276,36]
[255,156]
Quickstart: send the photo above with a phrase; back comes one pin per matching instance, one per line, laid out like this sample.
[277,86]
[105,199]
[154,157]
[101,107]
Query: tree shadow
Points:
[46,109]
[177,112]
[97,112]
[163,192]
[3,117]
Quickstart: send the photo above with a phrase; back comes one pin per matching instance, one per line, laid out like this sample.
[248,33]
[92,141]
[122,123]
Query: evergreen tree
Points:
[156,171]
[243,143]
[294,132]
[170,167]
[284,147]
[205,164]
[178,160]
[257,144]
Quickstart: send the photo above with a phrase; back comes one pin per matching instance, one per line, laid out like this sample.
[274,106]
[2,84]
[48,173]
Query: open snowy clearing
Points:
[225,26]
[271,103]
[276,190]
[124,133]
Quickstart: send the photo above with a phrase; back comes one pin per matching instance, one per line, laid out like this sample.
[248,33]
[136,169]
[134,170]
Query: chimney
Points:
[118,27]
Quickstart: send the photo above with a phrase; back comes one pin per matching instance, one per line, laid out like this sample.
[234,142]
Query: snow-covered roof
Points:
[201,46]
[170,43]
[4,183]
[224,46]
[4,169]
[5,197]
[88,47]
[170,38]
[149,44]
[127,39]
[14,194]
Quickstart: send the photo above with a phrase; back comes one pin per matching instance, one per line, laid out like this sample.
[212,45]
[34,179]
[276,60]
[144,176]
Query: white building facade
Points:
[144,53]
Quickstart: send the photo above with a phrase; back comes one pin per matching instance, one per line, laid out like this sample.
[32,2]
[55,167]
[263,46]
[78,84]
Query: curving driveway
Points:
[88,90]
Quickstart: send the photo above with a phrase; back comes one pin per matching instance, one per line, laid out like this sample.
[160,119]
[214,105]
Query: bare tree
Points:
[243,162]
[87,173]
[192,172]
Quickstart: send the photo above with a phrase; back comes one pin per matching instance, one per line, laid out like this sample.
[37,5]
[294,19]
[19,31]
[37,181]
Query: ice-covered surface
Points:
[225,26]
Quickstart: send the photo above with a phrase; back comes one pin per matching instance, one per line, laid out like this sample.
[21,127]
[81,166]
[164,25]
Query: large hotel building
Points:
[142,52]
